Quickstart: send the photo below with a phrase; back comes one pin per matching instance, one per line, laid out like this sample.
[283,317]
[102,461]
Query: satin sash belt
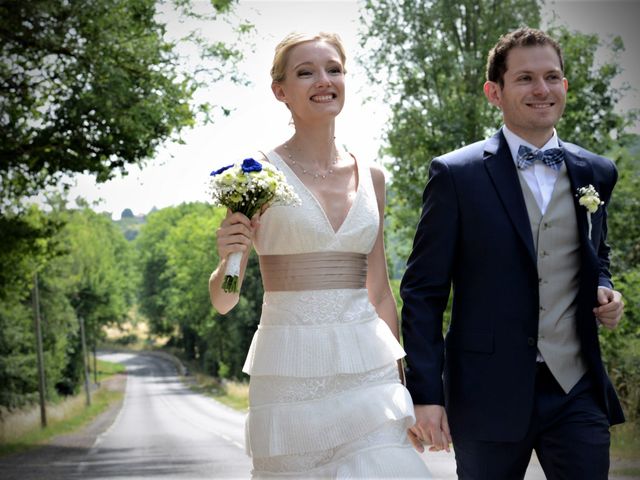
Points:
[313,271]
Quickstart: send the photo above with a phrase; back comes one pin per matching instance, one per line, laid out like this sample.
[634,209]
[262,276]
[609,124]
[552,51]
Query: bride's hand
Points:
[415,441]
[236,233]
[432,427]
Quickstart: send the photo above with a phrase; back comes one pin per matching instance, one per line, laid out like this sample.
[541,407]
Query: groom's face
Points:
[533,96]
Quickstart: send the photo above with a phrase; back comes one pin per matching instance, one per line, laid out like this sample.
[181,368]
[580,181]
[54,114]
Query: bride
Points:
[326,398]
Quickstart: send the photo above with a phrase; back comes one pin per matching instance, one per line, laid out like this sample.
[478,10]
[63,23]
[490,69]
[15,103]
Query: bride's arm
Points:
[378,286]
[235,234]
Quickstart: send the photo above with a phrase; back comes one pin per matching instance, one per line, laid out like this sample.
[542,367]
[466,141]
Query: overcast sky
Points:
[179,172]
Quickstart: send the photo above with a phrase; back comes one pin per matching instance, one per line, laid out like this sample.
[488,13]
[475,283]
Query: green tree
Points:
[621,347]
[430,54]
[27,241]
[591,118]
[95,275]
[84,269]
[219,343]
[190,250]
[177,252]
[100,268]
[624,210]
[88,86]
[152,259]
[85,86]
[18,374]
[92,86]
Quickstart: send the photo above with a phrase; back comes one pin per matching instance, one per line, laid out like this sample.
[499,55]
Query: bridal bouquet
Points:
[246,187]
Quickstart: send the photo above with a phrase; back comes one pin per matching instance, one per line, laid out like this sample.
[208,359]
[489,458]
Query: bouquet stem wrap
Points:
[232,272]
[246,188]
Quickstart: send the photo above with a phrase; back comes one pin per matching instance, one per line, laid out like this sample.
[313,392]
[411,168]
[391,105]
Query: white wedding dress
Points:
[325,399]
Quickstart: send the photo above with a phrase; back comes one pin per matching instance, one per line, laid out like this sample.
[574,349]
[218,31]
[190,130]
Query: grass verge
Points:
[630,472]
[232,394]
[76,414]
[108,369]
[625,441]
[235,395]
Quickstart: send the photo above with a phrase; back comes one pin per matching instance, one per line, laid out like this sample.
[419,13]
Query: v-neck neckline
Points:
[315,199]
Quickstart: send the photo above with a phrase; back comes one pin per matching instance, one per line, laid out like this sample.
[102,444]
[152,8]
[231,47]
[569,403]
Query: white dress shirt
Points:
[539,177]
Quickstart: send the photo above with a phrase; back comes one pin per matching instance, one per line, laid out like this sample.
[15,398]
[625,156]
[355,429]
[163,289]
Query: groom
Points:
[503,221]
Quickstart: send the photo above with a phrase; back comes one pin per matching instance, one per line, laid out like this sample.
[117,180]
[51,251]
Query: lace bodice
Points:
[305,228]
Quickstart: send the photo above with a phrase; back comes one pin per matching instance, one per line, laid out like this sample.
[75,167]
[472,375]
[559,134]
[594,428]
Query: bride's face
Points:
[313,87]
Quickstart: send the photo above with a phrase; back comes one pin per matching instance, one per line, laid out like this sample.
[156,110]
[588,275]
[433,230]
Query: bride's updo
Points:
[283,49]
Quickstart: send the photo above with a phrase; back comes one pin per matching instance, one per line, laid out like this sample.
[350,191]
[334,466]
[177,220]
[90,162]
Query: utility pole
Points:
[95,364]
[39,353]
[85,362]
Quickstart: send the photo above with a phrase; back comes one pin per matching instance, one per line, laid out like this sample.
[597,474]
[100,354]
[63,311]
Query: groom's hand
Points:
[611,307]
[432,427]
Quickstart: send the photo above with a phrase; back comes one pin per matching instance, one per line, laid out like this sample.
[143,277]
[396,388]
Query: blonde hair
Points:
[283,49]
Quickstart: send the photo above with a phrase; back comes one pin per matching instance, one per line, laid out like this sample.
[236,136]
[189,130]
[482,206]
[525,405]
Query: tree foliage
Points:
[89,86]
[431,54]
[624,211]
[84,269]
[152,259]
[86,86]
[18,374]
[621,347]
[177,253]
[591,118]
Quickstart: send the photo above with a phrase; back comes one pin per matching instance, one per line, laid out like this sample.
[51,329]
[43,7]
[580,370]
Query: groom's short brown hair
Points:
[522,37]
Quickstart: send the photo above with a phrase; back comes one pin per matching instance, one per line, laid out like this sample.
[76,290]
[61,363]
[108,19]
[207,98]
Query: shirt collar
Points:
[514,142]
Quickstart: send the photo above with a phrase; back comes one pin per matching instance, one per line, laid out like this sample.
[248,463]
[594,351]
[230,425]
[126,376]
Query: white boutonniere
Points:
[589,198]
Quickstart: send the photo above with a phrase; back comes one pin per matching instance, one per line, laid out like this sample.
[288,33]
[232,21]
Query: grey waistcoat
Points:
[556,242]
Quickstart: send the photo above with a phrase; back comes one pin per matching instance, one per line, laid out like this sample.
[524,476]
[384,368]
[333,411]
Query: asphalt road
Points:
[163,431]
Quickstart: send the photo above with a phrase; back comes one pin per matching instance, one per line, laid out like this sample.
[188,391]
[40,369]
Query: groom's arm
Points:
[611,306]
[603,247]
[426,285]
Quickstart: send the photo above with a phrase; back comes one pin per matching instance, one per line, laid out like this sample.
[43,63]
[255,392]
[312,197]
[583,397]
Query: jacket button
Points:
[531,341]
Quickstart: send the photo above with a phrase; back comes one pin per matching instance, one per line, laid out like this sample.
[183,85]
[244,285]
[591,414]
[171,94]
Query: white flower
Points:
[246,187]
[589,198]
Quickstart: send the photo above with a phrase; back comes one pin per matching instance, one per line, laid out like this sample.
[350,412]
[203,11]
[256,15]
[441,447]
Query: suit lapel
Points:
[502,170]
[580,175]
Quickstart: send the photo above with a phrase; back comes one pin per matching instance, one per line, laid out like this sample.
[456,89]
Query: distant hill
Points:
[130,224]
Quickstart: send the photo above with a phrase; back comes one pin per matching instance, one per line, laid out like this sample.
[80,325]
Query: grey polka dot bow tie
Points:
[552,157]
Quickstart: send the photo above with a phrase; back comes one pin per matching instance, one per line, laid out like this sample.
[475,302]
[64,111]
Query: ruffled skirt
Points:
[325,400]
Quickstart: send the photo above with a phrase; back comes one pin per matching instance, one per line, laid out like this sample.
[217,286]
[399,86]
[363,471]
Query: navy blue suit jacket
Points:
[474,234]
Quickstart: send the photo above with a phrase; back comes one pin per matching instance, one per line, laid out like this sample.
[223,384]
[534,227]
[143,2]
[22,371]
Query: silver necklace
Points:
[316,175]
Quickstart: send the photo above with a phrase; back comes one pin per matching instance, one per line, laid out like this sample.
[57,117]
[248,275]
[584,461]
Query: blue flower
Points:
[250,165]
[220,170]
